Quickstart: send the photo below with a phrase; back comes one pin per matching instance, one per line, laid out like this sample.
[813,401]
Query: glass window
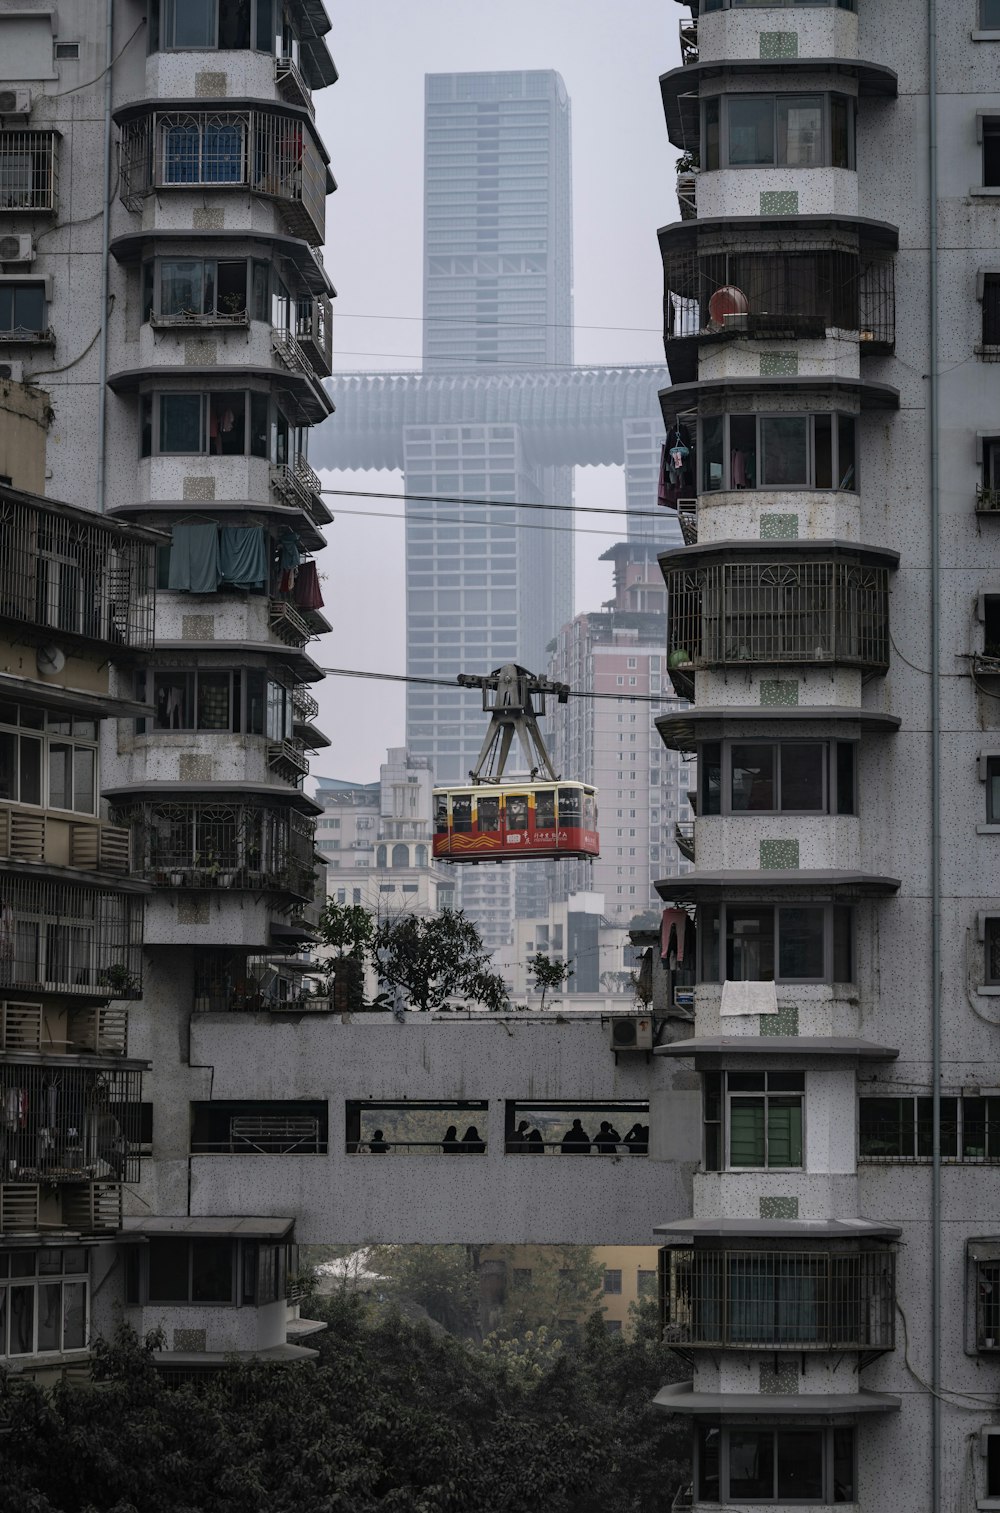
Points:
[189,23]
[168,1271]
[211,1271]
[751,1463]
[612,1280]
[992,933]
[843,943]
[991,154]
[214,701]
[800,943]
[712,475]
[845,761]
[710,140]
[753,777]
[710,778]
[709,1443]
[22,308]
[802,777]
[785,450]
[545,810]
[182,427]
[516,811]
[182,286]
[751,129]
[989,15]
[749,944]
[846,472]
[800,131]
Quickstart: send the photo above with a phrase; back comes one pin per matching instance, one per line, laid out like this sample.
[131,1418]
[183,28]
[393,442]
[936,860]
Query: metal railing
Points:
[314,333]
[61,937]
[785,295]
[206,845]
[93,1206]
[687,196]
[66,1122]
[274,1136]
[196,319]
[288,622]
[809,612]
[987,499]
[29,177]
[100,1030]
[684,838]
[30,836]
[779,1300]
[894,1143]
[687,29]
[23,336]
[304,705]
[288,758]
[286,348]
[262,152]
[79,577]
[291,85]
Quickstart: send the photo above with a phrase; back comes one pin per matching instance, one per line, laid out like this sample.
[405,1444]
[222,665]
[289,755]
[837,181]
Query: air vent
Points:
[15,102]
[16,249]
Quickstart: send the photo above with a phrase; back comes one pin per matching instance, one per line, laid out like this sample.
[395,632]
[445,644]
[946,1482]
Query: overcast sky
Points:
[610,54]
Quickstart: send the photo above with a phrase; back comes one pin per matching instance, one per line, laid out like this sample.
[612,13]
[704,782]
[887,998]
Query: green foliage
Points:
[440,1279]
[346,928]
[547,973]
[393,1419]
[435,958]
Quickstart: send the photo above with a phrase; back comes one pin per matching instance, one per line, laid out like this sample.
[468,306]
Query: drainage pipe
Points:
[935,664]
[102,369]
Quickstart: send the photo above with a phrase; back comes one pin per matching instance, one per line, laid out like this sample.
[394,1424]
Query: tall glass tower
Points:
[498,294]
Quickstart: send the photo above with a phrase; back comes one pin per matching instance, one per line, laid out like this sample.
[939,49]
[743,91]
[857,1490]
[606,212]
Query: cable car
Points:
[527,821]
[537,817]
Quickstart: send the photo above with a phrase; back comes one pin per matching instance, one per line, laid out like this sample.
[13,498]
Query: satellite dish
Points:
[726,305]
[50,661]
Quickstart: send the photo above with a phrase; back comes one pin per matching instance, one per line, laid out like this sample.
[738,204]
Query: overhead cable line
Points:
[520,525]
[496,504]
[573,693]
[482,320]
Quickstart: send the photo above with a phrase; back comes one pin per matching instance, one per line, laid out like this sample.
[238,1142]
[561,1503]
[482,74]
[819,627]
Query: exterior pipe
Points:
[102,371]
[935,615]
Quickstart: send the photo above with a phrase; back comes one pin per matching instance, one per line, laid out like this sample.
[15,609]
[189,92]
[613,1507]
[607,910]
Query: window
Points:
[67,50]
[417,1128]
[44,1301]
[990,300]
[22,311]
[213,698]
[989,15]
[901,1128]
[191,287]
[612,1326]
[991,934]
[991,151]
[207,149]
[195,24]
[777,943]
[992,774]
[220,423]
[191,1271]
[774,1465]
[612,1279]
[778,451]
[753,1120]
[646,1283]
[47,761]
[787,131]
[259,1127]
[986,1260]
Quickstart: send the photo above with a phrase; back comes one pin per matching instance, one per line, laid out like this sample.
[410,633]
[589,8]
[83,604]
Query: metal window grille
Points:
[788,294]
[988,1305]
[991,318]
[65,1123]
[28,170]
[771,612]
[59,937]
[80,577]
[306,707]
[779,1300]
[222,845]
[262,152]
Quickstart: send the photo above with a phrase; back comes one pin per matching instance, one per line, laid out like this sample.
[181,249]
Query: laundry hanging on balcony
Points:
[243,556]
[676,936]
[194,559]
[748,998]
[307,594]
[289,560]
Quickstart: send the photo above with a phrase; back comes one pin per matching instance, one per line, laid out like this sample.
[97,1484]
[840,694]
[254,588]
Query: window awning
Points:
[680,1397]
[683,729]
[150,1226]
[775,884]
[849,1047]
[984,1248]
[778,1229]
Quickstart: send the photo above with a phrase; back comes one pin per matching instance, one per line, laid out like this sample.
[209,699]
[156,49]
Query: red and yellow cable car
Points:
[527,821]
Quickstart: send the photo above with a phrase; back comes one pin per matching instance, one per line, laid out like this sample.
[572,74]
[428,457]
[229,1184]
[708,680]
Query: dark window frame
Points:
[716,757]
[721,102]
[718,1096]
[715,1487]
[20,287]
[722,425]
[969,1124]
[707,947]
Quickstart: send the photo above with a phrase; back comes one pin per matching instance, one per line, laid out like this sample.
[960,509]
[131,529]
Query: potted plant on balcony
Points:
[119,981]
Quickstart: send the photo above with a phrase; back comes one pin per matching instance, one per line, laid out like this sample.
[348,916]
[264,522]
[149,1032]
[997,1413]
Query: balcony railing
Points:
[786,296]
[25,336]
[687,195]
[805,612]
[100,1030]
[29,836]
[300,487]
[78,576]
[259,847]
[197,320]
[29,180]
[688,30]
[987,500]
[70,1124]
[304,706]
[271,155]
[806,1300]
[291,85]
[93,1207]
[288,758]
[684,838]
[63,938]
[314,333]
[288,623]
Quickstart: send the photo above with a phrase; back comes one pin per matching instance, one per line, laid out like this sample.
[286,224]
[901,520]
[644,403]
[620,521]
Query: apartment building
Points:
[831,331]
[162,206]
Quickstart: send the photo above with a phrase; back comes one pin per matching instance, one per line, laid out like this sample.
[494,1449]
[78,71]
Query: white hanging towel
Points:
[749,998]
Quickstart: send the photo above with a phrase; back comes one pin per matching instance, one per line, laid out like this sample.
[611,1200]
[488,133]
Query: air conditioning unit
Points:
[15,102]
[12,371]
[632,1034]
[17,249]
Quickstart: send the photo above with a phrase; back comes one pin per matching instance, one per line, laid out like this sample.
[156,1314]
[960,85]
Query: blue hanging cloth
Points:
[243,556]
[194,559]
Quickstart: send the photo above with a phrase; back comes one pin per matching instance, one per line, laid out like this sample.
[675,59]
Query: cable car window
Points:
[569,806]
[441,816]
[461,812]
[517,811]
[589,812]
[489,813]
[545,810]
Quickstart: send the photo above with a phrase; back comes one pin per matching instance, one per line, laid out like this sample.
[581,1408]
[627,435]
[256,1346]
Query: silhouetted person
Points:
[576,1141]
[534,1145]
[451,1145]
[471,1143]
[378,1145]
[518,1141]
[637,1140]
[607,1139]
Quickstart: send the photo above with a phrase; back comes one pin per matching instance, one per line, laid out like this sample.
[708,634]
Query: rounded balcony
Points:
[724,32]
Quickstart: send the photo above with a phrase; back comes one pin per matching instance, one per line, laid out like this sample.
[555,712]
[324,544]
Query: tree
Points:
[435,958]
[548,973]
[346,928]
